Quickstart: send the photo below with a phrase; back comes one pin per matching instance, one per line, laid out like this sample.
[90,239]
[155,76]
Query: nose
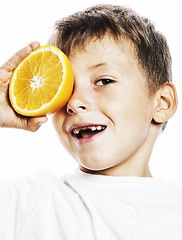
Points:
[78,103]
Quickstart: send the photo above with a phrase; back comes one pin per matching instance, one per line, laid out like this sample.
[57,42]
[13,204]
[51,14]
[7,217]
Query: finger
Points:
[35,123]
[11,64]
[4,75]
[34,45]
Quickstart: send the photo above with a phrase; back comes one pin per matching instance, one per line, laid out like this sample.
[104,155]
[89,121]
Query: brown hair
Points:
[151,48]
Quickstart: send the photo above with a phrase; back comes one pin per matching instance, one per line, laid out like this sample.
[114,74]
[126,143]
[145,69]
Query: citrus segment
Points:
[42,83]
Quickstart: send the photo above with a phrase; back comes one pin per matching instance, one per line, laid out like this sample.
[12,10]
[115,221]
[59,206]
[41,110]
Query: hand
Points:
[8,117]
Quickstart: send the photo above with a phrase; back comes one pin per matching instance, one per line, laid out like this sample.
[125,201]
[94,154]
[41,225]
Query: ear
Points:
[165,103]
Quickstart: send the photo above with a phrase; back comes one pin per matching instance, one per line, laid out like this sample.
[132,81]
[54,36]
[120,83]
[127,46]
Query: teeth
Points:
[94,128]
[75,131]
[99,128]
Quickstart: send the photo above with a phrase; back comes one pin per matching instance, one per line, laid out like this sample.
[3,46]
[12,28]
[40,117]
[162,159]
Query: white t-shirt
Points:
[90,207]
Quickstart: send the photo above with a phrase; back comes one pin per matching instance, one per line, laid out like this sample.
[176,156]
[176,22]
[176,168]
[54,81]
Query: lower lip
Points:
[88,139]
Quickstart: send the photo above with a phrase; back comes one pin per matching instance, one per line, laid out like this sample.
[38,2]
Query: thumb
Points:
[34,123]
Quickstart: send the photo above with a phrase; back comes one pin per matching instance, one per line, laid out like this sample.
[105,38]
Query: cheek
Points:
[59,122]
[131,114]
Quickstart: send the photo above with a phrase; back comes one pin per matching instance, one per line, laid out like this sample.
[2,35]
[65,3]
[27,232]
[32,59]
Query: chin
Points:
[95,167]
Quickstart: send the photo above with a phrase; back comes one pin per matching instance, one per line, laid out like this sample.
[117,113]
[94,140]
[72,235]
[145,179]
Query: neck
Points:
[107,172]
[148,173]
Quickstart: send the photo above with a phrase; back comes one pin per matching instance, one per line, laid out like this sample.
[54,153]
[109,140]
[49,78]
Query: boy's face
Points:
[106,122]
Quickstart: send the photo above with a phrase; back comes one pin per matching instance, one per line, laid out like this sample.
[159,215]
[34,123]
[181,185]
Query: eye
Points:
[104,81]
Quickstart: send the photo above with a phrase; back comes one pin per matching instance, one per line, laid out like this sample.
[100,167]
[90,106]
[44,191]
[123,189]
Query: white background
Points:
[21,22]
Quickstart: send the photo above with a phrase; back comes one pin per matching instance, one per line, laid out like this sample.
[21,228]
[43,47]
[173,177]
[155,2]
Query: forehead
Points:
[105,52]
[106,45]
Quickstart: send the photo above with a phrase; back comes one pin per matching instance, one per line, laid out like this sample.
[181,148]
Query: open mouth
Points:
[87,132]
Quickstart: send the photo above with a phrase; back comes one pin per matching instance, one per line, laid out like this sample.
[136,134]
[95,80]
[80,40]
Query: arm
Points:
[8,117]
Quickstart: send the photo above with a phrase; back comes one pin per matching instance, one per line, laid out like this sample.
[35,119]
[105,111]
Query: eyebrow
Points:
[97,66]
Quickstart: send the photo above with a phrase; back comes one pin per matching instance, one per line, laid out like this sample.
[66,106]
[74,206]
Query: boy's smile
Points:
[85,132]
[106,122]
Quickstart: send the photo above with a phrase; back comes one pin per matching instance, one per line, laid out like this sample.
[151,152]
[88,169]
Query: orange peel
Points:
[42,83]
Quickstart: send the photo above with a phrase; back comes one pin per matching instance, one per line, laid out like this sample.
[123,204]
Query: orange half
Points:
[42,83]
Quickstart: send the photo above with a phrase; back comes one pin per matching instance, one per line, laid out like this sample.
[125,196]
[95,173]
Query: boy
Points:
[122,99]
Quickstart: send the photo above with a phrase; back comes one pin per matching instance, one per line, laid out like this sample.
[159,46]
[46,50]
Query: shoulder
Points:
[26,184]
[30,187]
[18,198]
[171,189]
